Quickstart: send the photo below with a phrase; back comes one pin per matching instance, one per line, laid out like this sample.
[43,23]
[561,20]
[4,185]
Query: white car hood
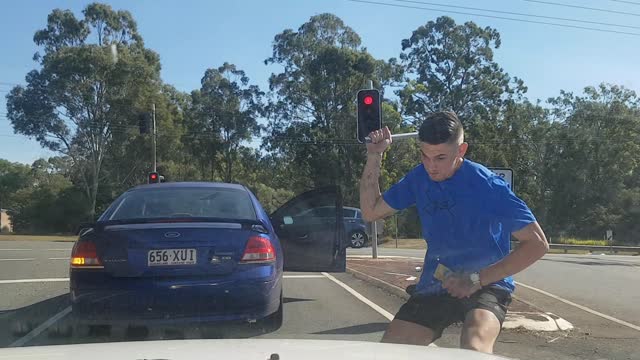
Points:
[241,349]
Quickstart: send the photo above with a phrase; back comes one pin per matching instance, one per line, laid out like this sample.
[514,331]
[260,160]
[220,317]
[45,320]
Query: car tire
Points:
[358,239]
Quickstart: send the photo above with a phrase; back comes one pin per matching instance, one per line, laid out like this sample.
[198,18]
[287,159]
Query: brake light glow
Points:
[259,249]
[85,255]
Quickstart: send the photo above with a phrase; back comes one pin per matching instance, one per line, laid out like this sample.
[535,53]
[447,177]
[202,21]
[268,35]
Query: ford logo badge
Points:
[171,234]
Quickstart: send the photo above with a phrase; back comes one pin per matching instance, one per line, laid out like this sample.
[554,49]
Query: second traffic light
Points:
[154,178]
[369,113]
[145,123]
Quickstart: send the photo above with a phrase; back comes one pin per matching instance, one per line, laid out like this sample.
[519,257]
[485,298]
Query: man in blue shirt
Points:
[468,215]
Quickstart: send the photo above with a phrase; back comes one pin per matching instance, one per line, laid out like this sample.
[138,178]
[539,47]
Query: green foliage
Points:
[82,94]
[311,120]
[575,158]
[573,241]
[451,67]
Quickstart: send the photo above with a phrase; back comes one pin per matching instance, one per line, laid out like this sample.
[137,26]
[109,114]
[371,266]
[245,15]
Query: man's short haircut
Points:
[441,127]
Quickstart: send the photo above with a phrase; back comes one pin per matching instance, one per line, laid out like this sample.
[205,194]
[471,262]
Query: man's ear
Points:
[462,149]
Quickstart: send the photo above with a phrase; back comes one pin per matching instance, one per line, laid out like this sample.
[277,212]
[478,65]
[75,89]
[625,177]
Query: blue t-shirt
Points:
[467,220]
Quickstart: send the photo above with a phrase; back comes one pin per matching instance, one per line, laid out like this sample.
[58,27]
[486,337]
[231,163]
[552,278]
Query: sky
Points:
[192,36]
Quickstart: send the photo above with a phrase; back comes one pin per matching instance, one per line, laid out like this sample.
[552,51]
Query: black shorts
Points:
[437,312]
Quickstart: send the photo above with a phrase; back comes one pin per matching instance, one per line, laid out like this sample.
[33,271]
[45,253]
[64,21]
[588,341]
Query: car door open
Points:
[310,240]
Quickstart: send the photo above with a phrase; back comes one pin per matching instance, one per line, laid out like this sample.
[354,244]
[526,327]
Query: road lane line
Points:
[581,307]
[27,259]
[362,298]
[303,276]
[20,281]
[64,258]
[42,327]
[69,249]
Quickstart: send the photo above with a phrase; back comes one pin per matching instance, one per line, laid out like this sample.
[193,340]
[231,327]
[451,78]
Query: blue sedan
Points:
[198,252]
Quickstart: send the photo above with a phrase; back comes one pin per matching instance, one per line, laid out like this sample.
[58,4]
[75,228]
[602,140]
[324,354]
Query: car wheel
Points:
[358,239]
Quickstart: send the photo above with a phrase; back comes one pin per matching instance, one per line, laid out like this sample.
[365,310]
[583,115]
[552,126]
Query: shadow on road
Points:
[287,300]
[18,323]
[356,329]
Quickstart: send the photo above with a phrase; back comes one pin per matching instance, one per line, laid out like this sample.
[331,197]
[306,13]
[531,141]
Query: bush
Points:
[587,242]
[5,229]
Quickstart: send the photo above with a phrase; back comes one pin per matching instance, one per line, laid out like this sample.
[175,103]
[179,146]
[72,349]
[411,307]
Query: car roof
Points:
[189,184]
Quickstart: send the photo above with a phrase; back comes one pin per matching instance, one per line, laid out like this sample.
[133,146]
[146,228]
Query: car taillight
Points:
[258,249]
[85,255]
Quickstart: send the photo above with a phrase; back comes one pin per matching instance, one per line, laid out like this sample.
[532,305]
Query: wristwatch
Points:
[475,278]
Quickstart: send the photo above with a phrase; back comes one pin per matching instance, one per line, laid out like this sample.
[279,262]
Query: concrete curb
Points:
[390,288]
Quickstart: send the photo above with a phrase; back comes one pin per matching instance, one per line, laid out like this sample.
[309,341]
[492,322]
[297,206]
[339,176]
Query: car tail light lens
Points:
[85,255]
[259,249]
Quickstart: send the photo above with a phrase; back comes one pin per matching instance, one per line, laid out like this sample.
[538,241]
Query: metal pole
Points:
[374,230]
[374,244]
[153,139]
[396,230]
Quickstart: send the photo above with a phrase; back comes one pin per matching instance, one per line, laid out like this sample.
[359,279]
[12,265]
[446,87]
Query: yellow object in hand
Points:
[441,272]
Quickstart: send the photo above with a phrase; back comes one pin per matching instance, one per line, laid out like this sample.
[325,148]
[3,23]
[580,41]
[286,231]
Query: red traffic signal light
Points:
[154,178]
[369,113]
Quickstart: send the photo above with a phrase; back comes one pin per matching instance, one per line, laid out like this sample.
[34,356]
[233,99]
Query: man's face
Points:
[441,160]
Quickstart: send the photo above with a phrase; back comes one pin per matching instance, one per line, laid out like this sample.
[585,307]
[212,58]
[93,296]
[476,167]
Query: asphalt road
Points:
[605,283]
[34,301]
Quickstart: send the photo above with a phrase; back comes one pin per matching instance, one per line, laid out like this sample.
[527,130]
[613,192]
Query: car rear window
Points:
[185,202]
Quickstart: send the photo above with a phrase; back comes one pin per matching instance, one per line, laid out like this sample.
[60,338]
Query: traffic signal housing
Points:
[154,178]
[369,113]
[144,123]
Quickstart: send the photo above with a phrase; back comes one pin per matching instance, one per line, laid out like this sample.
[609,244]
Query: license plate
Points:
[171,257]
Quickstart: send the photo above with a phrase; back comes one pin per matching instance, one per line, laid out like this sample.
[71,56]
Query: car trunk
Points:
[172,249]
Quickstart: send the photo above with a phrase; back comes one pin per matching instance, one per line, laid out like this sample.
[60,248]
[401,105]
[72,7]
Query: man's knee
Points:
[405,332]
[480,331]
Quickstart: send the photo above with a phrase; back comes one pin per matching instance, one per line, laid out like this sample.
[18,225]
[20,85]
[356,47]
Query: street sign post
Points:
[506,174]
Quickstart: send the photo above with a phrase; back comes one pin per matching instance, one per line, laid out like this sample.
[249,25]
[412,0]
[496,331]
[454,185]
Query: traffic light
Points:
[144,123]
[154,178]
[369,113]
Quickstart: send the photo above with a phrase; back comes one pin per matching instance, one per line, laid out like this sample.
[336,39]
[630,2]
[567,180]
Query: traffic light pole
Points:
[374,228]
[153,138]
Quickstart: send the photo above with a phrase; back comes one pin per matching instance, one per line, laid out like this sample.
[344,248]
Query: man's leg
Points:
[406,332]
[480,330]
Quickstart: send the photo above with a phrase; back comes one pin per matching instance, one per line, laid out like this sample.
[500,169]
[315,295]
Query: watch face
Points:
[475,277]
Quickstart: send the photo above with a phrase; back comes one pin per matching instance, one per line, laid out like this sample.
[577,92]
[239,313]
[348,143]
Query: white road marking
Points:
[27,259]
[69,249]
[410,278]
[362,298]
[64,258]
[581,307]
[392,273]
[42,327]
[303,276]
[20,281]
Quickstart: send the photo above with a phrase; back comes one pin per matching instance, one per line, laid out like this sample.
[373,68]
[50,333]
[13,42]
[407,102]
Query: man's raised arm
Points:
[372,204]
